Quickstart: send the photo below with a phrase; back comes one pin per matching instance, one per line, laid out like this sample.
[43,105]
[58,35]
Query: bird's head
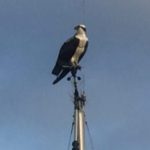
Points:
[79,27]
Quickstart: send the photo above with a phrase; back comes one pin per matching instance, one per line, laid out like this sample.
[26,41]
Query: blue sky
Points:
[36,115]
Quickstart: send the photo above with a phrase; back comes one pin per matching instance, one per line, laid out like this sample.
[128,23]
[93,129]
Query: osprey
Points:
[71,53]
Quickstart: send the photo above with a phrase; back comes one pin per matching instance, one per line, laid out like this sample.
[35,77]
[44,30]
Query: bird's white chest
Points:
[80,49]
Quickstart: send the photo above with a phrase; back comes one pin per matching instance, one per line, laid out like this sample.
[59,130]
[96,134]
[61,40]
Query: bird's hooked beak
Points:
[76,27]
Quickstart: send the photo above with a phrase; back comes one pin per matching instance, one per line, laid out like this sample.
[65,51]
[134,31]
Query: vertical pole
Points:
[79,122]
[79,102]
[81,130]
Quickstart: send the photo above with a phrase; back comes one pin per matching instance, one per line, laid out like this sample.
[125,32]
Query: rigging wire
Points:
[83,10]
[69,142]
[90,136]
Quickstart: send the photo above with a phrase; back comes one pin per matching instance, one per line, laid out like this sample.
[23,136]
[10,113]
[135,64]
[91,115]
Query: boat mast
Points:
[79,120]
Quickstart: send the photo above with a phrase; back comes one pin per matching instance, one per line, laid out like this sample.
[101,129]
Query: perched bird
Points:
[71,53]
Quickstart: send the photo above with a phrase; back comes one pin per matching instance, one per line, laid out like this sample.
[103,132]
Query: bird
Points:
[71,52]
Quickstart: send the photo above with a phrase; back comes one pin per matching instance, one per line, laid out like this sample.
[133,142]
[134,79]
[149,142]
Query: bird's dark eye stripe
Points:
[84,29]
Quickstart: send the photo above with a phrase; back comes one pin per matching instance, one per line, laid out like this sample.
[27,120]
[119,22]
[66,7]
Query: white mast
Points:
[81,129]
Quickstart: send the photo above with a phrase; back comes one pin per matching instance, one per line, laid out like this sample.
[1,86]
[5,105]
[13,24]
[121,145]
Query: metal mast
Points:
[79,120]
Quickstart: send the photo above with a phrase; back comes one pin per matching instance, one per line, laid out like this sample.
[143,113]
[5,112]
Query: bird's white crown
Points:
[82,25]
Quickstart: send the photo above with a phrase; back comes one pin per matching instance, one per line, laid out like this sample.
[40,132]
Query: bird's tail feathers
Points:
[56,70]
[62,75]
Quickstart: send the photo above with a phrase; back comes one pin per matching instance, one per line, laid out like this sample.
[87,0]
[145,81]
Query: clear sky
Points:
[36,115]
